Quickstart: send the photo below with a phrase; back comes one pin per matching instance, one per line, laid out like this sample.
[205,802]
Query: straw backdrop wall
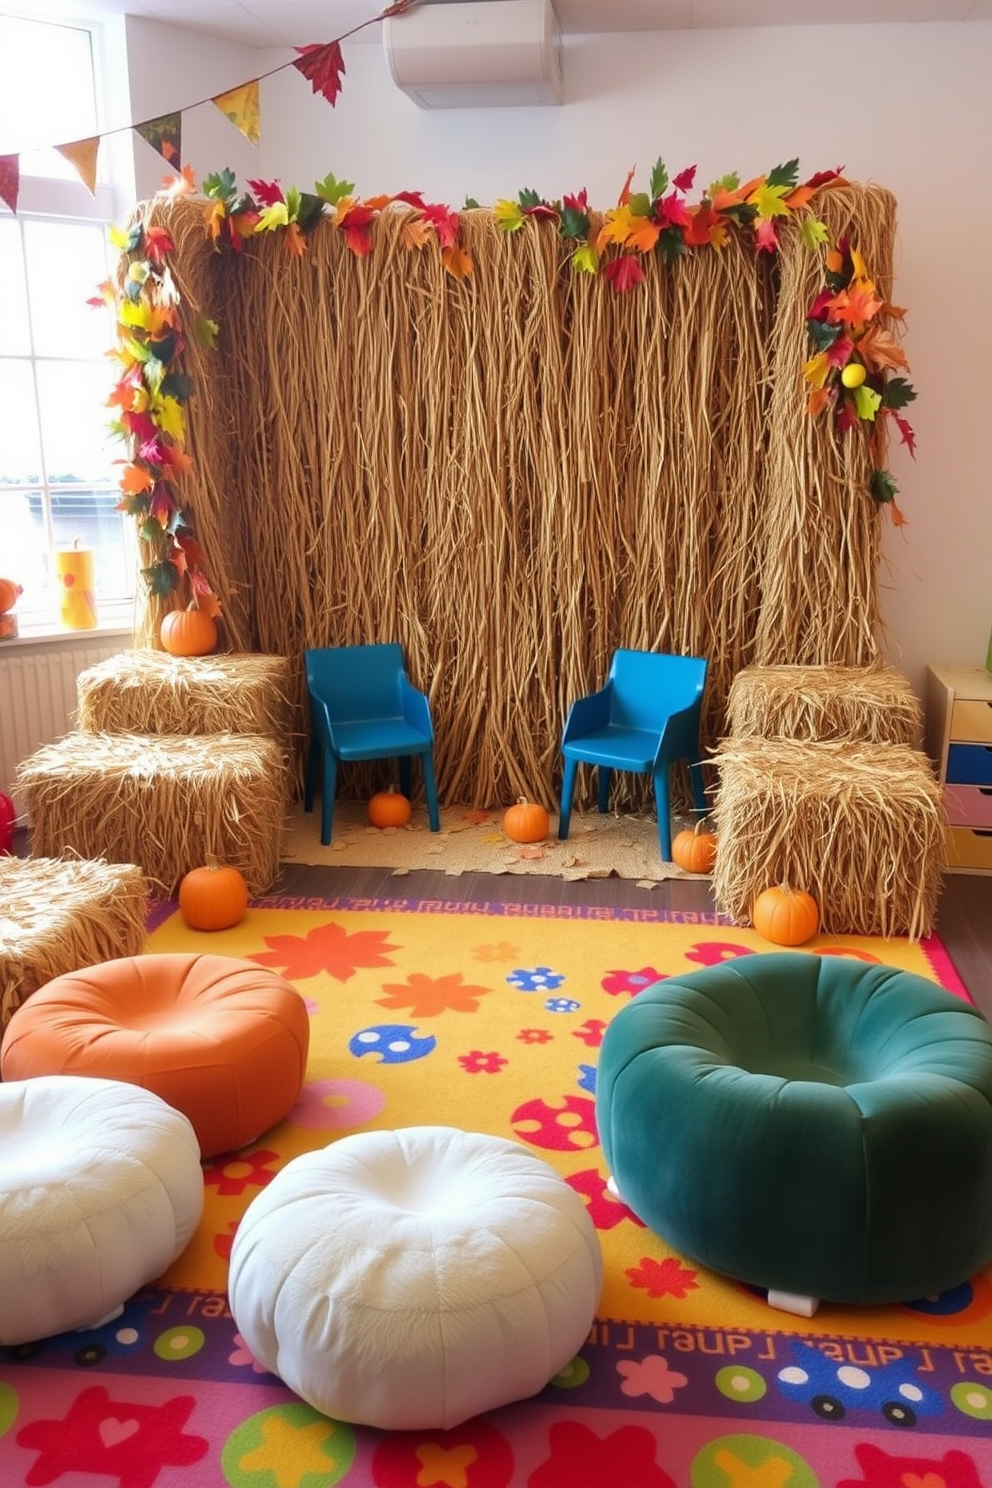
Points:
[514,474]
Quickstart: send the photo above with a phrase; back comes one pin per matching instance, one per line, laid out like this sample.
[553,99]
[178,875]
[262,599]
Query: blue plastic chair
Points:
[363,706]
[644,719]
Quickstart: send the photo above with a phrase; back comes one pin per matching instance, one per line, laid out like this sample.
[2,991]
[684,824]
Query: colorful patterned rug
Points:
[488,1016]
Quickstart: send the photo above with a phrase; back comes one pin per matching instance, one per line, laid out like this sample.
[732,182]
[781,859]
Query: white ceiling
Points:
[273,23]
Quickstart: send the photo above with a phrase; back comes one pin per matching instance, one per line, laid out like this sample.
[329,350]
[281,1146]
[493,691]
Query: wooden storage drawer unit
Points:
[959,741]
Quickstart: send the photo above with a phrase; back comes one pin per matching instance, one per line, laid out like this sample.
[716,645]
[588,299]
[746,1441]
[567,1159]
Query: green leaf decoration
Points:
[866,401]
[205,332]
[528,198]
[221,185]
[725,183]
[574,224]
[882,486]
[125,238]
[134,504]
[161,578]
[293,204]
[785,175]
[310,209]
[331,190]
[821,334]
[150,531]
[640,204]
[742,212]
[670,244]
[814,232]
[177,385]
[137,349]
[897,392]
[469,204]
[659,180]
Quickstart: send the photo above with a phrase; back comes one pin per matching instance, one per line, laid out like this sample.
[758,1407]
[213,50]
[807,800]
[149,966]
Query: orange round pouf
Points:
[221,1040]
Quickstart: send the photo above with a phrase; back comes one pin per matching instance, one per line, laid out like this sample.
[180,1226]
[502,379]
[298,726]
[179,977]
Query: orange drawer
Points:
[968,848]
[971,720]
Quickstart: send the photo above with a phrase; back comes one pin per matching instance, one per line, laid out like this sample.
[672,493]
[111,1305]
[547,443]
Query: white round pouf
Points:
[100,1190]
[411,1279]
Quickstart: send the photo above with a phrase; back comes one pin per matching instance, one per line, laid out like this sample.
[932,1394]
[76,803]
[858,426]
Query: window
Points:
[58,477]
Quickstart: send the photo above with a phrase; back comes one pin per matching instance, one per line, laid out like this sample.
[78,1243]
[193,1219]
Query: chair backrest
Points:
[648,687]
[357,682]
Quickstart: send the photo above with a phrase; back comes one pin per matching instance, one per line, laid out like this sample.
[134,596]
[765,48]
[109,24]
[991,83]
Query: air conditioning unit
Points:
[476,53]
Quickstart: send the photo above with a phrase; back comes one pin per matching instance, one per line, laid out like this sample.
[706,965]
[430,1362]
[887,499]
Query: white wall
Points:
[907,107]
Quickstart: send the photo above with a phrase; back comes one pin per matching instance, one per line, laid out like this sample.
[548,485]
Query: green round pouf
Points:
[805,1124]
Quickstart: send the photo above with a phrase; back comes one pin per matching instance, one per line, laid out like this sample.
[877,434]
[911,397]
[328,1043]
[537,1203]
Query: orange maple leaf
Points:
[415,232]
[644,234]
[377,203]
[295,242]
[426,996]
[879,348]
[215,216]
[328,948]
[457,261]
[723,199]
[799,197]
[624,196]
[818,400]
[856,305]
[178,459]
[705,226]
[134,480]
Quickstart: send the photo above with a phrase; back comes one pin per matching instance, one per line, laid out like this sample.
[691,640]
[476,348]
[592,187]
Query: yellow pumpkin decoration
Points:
[389,808]
[527,821]
[693,850]
[786,916]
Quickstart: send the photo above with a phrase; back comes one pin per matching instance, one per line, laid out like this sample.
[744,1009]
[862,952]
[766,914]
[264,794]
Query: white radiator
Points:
[38,693]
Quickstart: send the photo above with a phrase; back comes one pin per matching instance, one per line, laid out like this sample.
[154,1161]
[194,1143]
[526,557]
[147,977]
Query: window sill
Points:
[47,635]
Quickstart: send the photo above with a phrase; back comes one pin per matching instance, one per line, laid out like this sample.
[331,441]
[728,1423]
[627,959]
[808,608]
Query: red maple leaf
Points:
[326,948]
[765,235]
[323,67]
[683,181]
[623,272]
[907,433]
[444,222]
[158,244]
[667,1278]
[357,227]
[576,203]
[267,192]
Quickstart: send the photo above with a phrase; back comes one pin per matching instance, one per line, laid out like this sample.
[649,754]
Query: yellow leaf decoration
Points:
[814,232]
[584,259]
[272,217]
[817,370]
[866,402]
[508,215]
[170,418]
[769,201]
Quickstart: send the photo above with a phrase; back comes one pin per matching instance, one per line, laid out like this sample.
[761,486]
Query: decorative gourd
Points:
[694,850]
[189,632]
[527,821]
[214,897]
[9,594]
[8,819]
[389,808]
[786,916]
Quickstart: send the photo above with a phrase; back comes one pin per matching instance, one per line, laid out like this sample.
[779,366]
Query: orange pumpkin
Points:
[9,593]
[694,850]
[189,632]
[786,916]
[389,808]
[527,821]
[214,897]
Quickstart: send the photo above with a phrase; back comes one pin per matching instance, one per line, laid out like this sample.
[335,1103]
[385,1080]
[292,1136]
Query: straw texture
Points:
[164,802]
[60,914]
[858,826]
[875,705]
[150,692]
[514,474]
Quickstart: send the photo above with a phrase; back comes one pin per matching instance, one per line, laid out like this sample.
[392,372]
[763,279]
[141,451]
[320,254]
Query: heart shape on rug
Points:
[113,1431]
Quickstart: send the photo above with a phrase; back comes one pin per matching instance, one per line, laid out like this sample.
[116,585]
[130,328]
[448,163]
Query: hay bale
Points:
[60,914]
[874,704]
[161,801]
[150,692]
[858,826]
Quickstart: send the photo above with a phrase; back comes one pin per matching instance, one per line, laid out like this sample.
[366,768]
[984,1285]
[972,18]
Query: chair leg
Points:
[567,792]
[430,791]
[605,779]
[406,779]
[310,783]
[663,805]
[327,799]
[698,787]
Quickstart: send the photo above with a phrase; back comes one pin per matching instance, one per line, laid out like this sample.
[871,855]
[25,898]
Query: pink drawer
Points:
[968,805]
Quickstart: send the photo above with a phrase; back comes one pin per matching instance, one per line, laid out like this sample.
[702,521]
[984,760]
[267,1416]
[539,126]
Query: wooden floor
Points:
[964,917]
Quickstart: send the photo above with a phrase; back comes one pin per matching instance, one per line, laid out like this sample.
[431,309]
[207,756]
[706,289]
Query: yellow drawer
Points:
[967,848]
[971,720]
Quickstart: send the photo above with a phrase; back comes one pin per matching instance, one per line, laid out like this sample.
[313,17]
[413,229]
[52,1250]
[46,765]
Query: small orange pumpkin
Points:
[9,594]
[694,850]
[190,632]
[527,821]
[389,808]
[214,897]
[786,916]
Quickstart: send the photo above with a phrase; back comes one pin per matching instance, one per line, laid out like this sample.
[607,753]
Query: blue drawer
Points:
[969,764]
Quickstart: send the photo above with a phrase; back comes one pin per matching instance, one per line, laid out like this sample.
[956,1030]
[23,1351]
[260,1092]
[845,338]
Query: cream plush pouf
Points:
[100,1190]
[411,1279]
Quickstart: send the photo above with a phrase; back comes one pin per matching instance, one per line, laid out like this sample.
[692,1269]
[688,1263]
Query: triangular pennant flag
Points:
[82,154]
[165,135]
[242,108]
[10,179]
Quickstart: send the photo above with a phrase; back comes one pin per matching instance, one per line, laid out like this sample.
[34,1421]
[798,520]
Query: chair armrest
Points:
[588,714]
[415,708]
[680,736]
[320,719]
